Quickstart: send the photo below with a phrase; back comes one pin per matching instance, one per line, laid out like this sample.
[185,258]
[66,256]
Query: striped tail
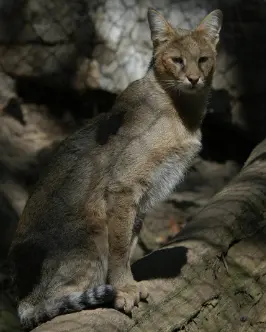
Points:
[32,316]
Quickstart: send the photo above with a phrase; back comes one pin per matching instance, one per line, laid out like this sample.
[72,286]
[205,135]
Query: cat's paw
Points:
[129,296]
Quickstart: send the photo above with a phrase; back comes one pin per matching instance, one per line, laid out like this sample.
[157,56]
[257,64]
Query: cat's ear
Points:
[161,30]
[212,25]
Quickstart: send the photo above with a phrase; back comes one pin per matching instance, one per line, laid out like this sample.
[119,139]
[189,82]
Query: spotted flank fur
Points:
[31,316]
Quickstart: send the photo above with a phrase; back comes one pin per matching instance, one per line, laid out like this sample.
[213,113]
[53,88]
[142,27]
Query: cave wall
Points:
[69,53]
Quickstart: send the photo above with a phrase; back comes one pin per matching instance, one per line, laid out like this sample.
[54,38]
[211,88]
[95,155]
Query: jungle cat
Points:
[73,243]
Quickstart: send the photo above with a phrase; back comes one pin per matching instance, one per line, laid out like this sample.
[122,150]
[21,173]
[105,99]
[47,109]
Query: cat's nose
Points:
[193,79]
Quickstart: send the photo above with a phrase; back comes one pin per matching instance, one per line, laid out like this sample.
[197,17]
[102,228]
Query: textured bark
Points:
[212,277]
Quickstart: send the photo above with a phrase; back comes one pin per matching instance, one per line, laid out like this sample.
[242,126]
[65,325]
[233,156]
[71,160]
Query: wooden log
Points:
[212,277]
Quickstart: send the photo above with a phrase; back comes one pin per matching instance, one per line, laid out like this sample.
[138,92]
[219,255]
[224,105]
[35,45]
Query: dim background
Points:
[63,62]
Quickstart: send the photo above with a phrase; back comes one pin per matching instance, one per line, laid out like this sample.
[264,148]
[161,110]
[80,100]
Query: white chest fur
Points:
[167,175]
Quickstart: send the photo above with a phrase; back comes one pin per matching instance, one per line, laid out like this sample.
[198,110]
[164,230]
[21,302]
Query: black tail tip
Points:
[110,292]
[104,293]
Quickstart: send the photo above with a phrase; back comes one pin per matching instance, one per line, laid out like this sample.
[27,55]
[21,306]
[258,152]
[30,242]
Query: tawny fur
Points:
[77,230]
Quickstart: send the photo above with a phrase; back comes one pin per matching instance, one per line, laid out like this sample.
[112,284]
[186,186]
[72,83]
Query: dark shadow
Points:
[109,126]
[59,98]
[13,109]
[222,140]
[183,205]
[8,223]
[26,277]
[243,35]
[12,19]
[164,263]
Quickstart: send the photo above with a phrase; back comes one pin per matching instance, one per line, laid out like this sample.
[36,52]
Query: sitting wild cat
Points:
[73,244]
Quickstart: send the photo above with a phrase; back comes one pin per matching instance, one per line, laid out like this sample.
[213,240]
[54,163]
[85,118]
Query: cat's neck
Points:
[191,107]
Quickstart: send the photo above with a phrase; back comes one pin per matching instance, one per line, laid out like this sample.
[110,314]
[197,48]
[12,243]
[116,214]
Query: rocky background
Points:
[64,62]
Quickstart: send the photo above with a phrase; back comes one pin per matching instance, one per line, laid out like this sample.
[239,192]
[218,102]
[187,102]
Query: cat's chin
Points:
[191,90]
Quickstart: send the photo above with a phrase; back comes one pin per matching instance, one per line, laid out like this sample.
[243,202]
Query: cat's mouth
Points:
[190,85]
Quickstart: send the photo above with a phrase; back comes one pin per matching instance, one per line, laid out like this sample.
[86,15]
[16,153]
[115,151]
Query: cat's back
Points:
[83,162]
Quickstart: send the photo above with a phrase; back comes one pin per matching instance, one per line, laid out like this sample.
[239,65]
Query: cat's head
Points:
[184,60]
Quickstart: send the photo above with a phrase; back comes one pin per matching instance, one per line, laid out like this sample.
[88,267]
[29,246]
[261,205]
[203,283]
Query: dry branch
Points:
[211,278]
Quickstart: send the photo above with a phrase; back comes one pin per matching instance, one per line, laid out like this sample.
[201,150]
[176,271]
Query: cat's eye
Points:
[178,60]
[203,59]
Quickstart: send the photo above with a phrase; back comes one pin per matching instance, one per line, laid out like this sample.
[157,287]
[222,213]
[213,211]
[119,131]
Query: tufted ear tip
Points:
[161,30]
[212,25]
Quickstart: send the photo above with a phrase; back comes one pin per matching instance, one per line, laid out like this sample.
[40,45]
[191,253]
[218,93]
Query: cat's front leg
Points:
[121,219]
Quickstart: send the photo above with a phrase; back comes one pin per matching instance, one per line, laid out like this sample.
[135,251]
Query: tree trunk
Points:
[212,277]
